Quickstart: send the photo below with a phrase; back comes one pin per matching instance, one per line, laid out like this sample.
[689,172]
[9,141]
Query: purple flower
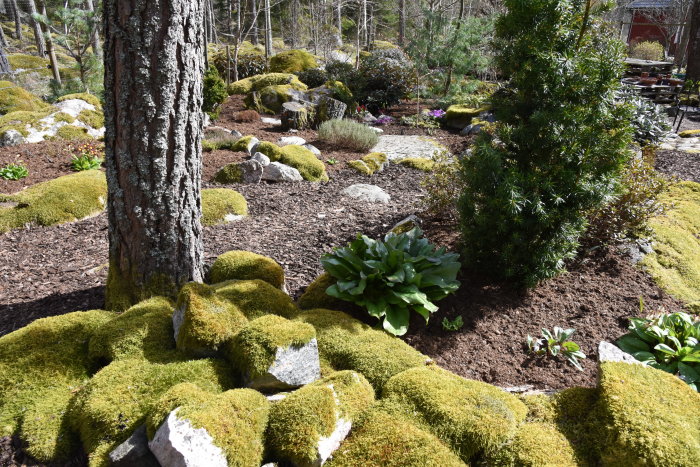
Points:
[384,120]
[437,113]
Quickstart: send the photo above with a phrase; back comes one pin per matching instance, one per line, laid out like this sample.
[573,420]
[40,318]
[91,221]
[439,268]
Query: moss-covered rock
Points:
[470,416]
[256,298]
[73,133]
[31,63]
[341,92]
[535,445]
[292,61]
[221,205]
[235,419]
[299,422]
[689,133]
[144,331]
[13,98]
[64,117]
[383,45]
[119,397]
[419,163]
[360,166]
[315,295]
[458,116]
[370,163]
[651,417]
[41,365]
[383,440]
[271,98]
[83,96]
[22,120]
[64,199]
[229,174]
[348,344]
[304,161]
[92,118]
[675,263]
[246,265]
[203,321]
[271,150]
[258,82]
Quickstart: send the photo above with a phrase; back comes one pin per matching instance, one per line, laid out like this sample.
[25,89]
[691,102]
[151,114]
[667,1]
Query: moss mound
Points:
[675,263]
[235,419]
[246,265]
[92,118]
[535,445]
[419,163]
[342,93]
[300,421]
[73,133]
[228,174]
[40,367]
[258,82]
[348,344]
[315,295]
[651,417]
[221,205]
[459,116]
[14,98]
[64,199]
[256,298]
[370,163]
[89,98]
[204,321]
[384,440]
[144,331]
[29,62]
[292,61]
[469,416]
[22,119]
[298,157]
[689,133]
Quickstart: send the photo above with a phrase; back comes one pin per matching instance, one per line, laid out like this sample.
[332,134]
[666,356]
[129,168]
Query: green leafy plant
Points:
[454,325]
[348,134]
[648,119]
[442,186]
[85,162]
[648,50]
[382,81]
[313,77]
[392,277]
[14,172]
[669,342]
[332,161]
[557,343]
[214,92]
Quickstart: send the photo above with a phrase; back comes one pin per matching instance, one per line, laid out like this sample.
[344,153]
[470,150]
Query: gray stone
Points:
[369,118]
[367,193]
[134,451]
[178,444]
[261,158]
[378,131]
[252,145]
[397,147]
[278,172]
[409,223]
[237,134]
[287,140]
[271,121]
[12,138]
[207,120]
[608,352]
[314,149]
[294,366]
[251,171]
[471,130]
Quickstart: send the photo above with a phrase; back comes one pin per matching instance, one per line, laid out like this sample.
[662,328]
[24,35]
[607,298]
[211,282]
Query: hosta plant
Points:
[85,162]
[557,343]
[669,342]
[392,277]
[13,172]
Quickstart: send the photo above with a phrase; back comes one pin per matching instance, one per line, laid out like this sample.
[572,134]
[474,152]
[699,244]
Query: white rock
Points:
[287,140]
[368,193]
[278,172]
[12,138]
[207,120]
[608,352]
[178,444]
[378,131]
[236,134]
[251,171]
[271,121]
[73,107]
[252,145]
[313,149]
[328,445]
[261,158]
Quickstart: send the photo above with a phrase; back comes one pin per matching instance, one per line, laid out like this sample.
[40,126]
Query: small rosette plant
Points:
[392,277]
[669,342]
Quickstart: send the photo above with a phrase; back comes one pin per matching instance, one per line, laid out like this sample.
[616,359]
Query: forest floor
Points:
[60,269]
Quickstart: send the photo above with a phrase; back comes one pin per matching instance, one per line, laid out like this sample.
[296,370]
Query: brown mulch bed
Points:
[681,164]
[44,161]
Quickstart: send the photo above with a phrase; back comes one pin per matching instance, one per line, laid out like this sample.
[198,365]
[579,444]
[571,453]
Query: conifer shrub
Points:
[647,50]
[558,148]
[215,92]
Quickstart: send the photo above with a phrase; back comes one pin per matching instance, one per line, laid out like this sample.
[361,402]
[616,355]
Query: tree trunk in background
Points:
[254,7]
[679,59]
[3,39]
[402,23]
[294,13]
[339,22]
[448,80]
[154,62]
[95,39]
[4,64]
[49,46]
[693,68]
[18,20]
[38,35]
[268,30]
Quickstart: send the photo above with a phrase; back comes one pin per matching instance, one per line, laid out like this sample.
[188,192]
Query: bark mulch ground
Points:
[681,164]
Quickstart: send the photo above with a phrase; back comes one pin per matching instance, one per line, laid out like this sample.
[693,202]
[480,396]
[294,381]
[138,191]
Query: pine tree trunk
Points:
[38,35]
[95,39]
[294,13]
[402,23]
[254,7]
[268,30]
[154,62]
[3,39]
[693,68]
[4,64]
[18,20]
[49,46]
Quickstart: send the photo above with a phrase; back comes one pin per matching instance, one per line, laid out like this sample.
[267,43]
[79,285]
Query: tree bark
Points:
[38,35]
[268,30]
[254,6]
[693,68]
[5,67]
[49,46]
[448,80]
[154,62]
[95,38]
[18,20]
[3,39]
[294,13]
[402,23]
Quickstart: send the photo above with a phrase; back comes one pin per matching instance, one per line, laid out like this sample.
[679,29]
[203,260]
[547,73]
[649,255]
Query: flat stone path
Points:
[691,145]
[397,147]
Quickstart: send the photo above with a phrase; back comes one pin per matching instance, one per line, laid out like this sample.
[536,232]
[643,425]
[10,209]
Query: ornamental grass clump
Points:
[348,134]
[558,148]
[392,277]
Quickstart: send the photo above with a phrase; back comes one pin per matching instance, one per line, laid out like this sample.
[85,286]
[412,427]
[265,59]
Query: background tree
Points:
[154,62]
[693,68]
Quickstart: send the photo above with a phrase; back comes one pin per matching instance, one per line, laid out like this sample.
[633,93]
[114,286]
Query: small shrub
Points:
[382,81]
[214,94]
[442,186]
[14,172]
[453,325]
[557,343]
[348,134]
[389,279]
[340,71]
[251,62]
[648,50]
[85,162]
[648,119]
[313,77]
[246,116]
[292,61]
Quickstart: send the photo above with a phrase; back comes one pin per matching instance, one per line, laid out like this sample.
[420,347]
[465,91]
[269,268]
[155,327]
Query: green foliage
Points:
[14,171]
[292,61]
[215,92]
[669,342]
[558,148]
[340,71]
[348,134]
[86,158]
[382,81]
[648,119]
[557,343]
[648,50]
[221,205]
[389,279]
[246,265]
[442,186]
[453,325]
[313,77]
[251,61]
[469,93]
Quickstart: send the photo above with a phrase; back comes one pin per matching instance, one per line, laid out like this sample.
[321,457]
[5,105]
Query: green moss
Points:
[342,93]
[144,331]
[375,160]
[315,295]
[383,440]
[219,204]
[470,416]
[651,417]
[236,419]
[675,263]
[419,163]
[270,99]
[305,162]
[89,98]
[92,118]
[73,133]
[29,62]
[208,320]
[242,144]
[535,445]
[230,173]
[348,344]
[63,117]
[118,398]
[246,265]
[459,116]
[383,45]
[64,199]
[299,421]
[271,150]
[254,349]
[21,119]
[360,166]
[689,133]
[256,298]
[258,82]
[292,61]
[13,99]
